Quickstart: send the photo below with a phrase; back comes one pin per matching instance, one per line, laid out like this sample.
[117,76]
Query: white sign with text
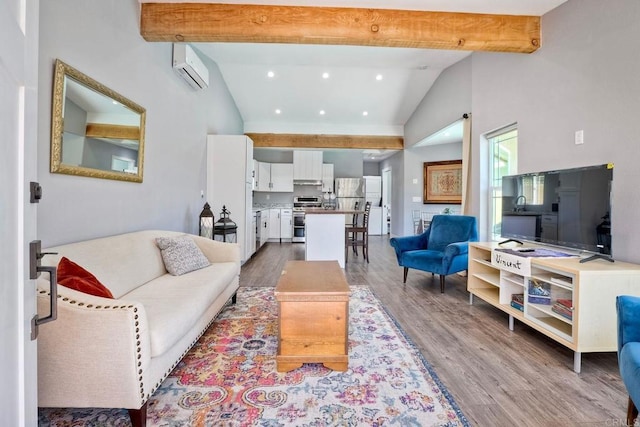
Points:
[511,263]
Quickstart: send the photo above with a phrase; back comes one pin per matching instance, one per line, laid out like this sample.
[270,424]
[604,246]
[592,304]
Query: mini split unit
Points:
[189,66]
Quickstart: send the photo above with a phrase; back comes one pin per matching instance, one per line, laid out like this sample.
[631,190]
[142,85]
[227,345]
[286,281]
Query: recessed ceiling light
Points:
[325,75]
[447,134]
[365,113]
[271,74]
[379,77]
[278,111]
[322,112]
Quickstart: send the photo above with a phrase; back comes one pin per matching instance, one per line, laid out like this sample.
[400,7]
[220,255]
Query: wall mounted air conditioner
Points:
[187,64]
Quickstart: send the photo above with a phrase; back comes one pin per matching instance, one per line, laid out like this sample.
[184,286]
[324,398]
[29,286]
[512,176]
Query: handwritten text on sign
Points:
[511,263]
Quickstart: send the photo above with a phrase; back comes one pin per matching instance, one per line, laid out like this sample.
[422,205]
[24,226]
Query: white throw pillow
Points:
[181,255]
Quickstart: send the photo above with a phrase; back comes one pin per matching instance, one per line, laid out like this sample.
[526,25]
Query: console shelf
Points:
[570,302]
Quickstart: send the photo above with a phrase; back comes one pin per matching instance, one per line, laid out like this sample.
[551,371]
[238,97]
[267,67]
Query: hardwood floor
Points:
[497,377]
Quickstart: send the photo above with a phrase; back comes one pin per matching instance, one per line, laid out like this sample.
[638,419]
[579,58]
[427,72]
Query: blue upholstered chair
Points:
[442,249]
[628,308]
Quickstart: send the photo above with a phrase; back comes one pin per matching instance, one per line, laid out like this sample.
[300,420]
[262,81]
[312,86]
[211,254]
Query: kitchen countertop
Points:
[320,211]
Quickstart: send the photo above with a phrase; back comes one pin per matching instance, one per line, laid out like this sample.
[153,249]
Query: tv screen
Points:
[569,208]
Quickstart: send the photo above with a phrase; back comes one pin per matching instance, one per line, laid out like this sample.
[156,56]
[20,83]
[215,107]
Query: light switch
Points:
[416,199]
[415,181]
[579,137]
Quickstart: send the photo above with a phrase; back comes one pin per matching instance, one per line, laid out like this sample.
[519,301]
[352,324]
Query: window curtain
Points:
[466,164]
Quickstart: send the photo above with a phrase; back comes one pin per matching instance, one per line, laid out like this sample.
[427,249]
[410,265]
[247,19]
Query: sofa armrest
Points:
[216,251]
[96,353]
[628,308]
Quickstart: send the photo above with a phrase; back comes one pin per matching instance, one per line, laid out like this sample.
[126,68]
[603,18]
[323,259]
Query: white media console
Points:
[592,288]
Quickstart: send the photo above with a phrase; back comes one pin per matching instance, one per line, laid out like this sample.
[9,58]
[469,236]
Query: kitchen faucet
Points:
[515,204]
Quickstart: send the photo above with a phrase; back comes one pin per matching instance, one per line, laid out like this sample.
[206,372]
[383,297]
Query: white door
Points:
[18,127]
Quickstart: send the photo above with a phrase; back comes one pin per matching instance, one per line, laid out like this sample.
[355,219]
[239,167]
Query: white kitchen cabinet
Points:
[282,177]
[327,177]
[286,223]
[307,165]
[264,177]
[280,224]
[274,224]
[229,183]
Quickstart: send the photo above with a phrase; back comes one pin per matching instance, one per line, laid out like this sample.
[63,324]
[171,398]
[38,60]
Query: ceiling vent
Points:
[187,64]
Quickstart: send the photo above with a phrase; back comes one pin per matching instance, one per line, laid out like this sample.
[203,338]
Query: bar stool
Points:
[359,235]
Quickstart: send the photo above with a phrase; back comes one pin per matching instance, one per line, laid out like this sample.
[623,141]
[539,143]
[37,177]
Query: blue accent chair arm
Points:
[628,309]
[628,319]
[409,243]
[455,249]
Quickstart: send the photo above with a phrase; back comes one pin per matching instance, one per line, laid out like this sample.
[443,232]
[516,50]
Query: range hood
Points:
[306,182]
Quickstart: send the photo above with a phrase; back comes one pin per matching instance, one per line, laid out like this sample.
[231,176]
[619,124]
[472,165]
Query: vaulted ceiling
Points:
[339,67]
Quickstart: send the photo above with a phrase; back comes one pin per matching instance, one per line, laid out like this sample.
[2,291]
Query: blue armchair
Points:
[442,249]
[628,308]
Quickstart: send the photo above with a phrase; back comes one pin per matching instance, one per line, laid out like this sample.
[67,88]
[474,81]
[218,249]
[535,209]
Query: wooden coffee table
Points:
[313,315]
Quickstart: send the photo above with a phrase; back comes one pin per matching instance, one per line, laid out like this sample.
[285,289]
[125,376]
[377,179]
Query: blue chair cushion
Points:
[424,259]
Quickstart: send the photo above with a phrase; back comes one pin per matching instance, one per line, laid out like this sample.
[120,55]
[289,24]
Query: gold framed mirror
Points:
[95,131]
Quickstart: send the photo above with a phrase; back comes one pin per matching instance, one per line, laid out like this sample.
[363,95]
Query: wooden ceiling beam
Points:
[364,142]
[102,130]
[208,22]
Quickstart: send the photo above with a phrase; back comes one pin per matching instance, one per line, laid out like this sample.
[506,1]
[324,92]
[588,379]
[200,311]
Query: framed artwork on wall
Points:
[443,182]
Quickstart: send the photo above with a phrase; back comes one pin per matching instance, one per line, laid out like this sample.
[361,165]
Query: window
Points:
[503,158]
[123,164]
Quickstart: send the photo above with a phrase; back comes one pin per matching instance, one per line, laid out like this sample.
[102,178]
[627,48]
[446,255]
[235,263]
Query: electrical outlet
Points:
[202,194]
[415,181]
[579,139]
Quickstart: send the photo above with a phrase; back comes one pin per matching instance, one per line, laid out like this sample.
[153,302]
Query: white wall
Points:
[101,39]
[407,183]
[396,164]
[445,103]
[585,76]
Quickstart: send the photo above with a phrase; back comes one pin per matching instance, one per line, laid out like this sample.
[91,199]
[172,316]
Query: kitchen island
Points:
[324,231]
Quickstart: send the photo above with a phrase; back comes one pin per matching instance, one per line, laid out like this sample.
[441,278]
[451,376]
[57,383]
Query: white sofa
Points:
[114,353]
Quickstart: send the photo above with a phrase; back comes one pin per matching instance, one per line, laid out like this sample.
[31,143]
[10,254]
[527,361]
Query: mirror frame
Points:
[61,72]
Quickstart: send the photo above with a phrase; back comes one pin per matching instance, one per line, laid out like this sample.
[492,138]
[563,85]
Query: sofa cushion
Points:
[73,276]
[124,262]
[181,255]
[174,304]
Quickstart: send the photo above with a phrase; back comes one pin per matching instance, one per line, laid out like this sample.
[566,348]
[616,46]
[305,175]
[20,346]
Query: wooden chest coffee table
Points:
[313,315]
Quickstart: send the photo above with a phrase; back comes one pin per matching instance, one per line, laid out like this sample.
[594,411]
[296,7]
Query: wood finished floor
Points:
[497,377]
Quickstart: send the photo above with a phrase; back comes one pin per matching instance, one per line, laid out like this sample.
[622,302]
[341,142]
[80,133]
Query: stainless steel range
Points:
[300,203]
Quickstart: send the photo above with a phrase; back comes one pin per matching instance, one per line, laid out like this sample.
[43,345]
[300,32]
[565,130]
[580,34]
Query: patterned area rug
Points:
[229,378]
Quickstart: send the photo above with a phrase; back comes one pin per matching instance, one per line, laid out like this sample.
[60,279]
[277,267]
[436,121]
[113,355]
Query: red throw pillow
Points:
[72,276]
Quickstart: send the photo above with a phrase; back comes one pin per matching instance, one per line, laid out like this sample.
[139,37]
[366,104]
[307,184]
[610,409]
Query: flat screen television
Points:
[568,208]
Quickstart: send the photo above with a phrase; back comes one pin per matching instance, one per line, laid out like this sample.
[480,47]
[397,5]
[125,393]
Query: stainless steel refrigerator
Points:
[349,191]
